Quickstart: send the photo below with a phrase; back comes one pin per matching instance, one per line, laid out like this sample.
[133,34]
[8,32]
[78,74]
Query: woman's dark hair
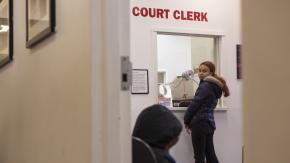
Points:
[211,67]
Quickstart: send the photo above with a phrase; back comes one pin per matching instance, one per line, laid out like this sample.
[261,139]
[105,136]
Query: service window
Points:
[177,54]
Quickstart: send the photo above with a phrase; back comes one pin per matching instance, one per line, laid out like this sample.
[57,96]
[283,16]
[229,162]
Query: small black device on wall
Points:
[6,32]
[40,21]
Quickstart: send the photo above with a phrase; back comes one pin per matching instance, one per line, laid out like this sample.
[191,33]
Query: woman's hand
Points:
[187,74]
[188,130]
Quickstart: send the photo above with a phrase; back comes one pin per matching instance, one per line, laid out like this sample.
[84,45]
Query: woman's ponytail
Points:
[225,87]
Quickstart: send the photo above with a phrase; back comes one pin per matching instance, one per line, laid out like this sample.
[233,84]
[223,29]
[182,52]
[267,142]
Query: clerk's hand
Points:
[187,74]
[188,130]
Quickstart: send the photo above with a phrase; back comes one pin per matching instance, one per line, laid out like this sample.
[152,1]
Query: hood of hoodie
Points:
[157,126]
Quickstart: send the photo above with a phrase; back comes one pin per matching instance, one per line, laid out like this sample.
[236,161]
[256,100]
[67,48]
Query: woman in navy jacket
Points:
[199,117]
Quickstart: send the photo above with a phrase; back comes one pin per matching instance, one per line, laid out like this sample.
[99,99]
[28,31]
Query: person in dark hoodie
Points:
[199,117]
[160,129]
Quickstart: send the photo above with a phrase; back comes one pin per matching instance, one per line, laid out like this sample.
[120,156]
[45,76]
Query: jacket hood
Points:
[218,85]
[157,126]
[212,79]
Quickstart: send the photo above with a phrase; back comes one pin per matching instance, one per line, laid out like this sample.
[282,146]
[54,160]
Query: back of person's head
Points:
[157,126]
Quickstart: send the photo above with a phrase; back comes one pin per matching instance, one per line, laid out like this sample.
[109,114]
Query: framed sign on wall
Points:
[6,32]
[40,20]
[140,81]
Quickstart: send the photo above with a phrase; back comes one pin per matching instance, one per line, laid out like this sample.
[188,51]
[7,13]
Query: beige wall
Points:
[45,98]
[266,77]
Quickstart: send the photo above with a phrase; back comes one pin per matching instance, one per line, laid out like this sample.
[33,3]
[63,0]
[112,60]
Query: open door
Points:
[111,115]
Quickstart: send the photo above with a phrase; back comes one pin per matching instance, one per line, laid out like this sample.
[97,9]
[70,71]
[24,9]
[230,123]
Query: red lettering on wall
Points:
[144,12]
[151,12]
[176,14]
[159,13]
[203,16]
[135,11]
[196,16]
[183,17]
[189,15]
[165,14]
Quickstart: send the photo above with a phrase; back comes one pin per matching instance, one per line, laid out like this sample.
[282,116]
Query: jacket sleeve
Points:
[201,94]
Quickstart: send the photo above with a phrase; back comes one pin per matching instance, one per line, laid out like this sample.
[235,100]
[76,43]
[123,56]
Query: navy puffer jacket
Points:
[204,102]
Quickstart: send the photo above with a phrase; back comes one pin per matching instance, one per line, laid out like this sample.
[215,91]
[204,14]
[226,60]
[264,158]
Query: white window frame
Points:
[217,35]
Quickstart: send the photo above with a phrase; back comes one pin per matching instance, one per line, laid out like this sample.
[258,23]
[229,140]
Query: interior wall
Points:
[223,16]
[202,50]
[266,85]
[45,92]
[180,50]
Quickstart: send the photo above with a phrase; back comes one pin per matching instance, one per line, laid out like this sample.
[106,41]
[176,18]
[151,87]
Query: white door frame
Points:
[111,112]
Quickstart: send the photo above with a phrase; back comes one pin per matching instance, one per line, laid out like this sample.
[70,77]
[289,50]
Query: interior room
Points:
[75,75]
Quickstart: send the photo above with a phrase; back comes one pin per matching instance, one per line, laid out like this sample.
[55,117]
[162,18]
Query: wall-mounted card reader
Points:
[126,73]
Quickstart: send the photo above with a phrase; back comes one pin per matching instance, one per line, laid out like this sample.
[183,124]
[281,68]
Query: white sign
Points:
[140,81]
